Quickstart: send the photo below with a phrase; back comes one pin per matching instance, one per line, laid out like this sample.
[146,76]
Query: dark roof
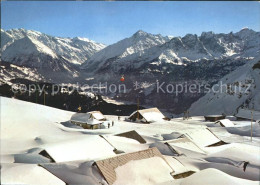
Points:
[133,135]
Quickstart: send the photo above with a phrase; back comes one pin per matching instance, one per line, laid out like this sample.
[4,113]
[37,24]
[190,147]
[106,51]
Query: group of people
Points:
[108,125]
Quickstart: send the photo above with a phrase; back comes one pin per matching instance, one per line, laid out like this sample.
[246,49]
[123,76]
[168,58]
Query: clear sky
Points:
[109,22]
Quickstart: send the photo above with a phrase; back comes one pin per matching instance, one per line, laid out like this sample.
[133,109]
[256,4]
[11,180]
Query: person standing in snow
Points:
[245,165]
[184,115]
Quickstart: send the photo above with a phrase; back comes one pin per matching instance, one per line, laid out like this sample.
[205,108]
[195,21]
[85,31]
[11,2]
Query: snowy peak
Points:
[192,42]
[5,39]
[190,38]
[213,44]
[245,32]
[26,46]
[32,53]
[81,39]
[175,42]
[88,46]
[20,33]
[140,33]
[125,49]
[208,46]
[74,51]
[178,49]
[207,35]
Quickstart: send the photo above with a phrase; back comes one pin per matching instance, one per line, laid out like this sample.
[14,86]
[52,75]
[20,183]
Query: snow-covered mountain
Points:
[144,48]
[11,72]
[35,49]
[143,57]
[240,88]
[125,51]
[191,59]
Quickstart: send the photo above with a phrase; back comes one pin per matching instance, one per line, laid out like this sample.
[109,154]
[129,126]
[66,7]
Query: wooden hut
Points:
[147,115]
[89,120]
[214,118]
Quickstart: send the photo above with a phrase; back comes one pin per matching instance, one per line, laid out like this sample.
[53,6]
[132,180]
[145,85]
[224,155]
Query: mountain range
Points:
[142,57]
[46,53]
[144,48]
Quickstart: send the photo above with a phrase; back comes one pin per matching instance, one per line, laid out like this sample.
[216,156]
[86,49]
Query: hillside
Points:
[242,90]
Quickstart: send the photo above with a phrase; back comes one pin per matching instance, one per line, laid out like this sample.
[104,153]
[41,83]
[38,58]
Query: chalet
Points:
[89,120]
[147,115]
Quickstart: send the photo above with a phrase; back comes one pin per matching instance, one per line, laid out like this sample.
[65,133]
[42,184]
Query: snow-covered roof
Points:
[123,144]
[97,115]
[20,173]
[85,118]
[107,166]
[202,137]
[80,117]
[225,123]
[152,170]
[177,165]
[184,143]
[246,114]
[92,147]
[77,172]
[150,115]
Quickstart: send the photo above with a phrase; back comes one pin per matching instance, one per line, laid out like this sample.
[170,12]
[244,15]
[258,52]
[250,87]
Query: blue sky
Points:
[109,22]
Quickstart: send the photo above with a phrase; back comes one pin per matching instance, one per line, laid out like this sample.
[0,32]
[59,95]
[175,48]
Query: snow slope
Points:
[17,136]
[228,98]
[9,72]
[28,128]
[215,177]
[27,174]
